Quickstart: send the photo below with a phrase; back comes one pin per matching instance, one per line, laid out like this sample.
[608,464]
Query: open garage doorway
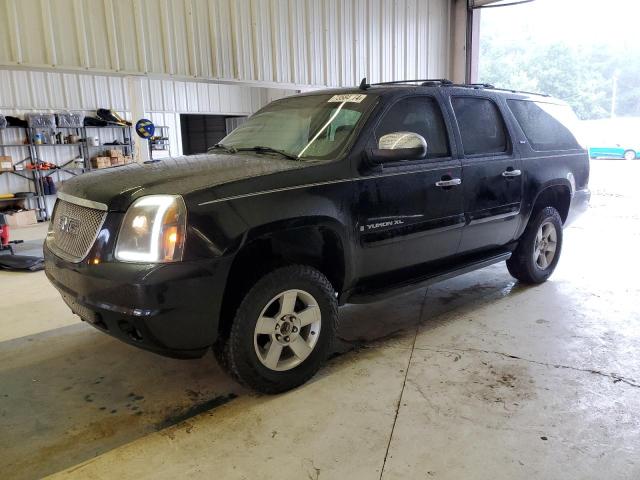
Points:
[587,54]
[201,132]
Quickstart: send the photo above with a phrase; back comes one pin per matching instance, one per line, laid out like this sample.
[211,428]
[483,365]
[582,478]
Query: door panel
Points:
[492,174]
[492,202]
[404,219]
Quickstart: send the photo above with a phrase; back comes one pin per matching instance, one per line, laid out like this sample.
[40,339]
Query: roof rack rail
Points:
[513,90]
[432,82]
[483,85]
[493,87]
[423,81]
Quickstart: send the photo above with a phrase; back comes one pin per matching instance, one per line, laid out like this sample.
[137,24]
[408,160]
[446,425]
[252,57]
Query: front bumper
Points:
[579,205]
[170,309]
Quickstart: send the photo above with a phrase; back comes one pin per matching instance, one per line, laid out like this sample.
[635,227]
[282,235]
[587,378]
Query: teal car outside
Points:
[616,151]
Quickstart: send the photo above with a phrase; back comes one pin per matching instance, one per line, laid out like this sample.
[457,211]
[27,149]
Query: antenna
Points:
[363,84]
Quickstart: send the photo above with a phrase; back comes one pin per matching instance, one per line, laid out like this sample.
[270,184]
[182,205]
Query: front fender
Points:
[295,232]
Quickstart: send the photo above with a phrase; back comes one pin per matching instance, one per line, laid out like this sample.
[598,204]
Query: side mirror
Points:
[398,146]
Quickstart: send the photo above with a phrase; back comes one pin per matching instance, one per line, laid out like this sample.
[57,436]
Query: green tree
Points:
[582,76]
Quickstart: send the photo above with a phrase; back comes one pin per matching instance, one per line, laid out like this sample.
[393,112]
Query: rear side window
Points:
[481,125]
[547,126]
[420,115]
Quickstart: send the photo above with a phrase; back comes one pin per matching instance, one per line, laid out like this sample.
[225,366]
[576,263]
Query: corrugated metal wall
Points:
[184,45]
[28,91]
[295,42]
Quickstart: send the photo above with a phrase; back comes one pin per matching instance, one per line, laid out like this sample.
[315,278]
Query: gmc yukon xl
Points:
[320,199]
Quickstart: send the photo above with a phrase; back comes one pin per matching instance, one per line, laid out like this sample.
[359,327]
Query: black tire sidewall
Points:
[242,355]
[521,264]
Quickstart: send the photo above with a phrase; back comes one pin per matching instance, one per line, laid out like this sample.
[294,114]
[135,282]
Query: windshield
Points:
[305,127]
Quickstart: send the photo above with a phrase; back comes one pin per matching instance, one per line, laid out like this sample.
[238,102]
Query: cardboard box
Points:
[115,152]
[6,163]
[21,219]
[101,162]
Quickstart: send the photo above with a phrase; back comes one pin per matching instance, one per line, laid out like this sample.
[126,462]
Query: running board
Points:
[420,282]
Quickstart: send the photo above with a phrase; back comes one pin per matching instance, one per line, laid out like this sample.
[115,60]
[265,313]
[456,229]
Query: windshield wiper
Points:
[224,147]
[261,149]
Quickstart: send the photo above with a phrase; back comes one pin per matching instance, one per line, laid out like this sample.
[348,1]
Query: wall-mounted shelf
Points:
[108,145]
[14,199]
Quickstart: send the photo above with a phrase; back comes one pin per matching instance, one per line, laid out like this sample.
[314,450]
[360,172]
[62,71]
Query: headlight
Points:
[153,230]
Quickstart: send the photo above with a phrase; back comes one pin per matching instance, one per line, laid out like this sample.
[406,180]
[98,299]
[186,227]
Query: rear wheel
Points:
[282,330]
[629,155]
[538,251]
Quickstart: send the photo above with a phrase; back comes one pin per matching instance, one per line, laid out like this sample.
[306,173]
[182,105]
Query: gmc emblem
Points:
[68,225]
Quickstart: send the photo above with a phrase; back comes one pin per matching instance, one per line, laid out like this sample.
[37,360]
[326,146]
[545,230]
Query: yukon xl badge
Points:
[68,225]
[378,225]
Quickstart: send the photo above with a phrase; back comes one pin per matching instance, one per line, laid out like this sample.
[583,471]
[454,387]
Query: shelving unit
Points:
[124,137]
[161,144]
[79,160]
[76,151]
[37,202]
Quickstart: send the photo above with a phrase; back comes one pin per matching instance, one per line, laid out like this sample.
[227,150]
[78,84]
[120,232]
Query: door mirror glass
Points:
[398,146]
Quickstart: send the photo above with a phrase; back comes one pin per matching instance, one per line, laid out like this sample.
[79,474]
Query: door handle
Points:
[448,183]
[511,173]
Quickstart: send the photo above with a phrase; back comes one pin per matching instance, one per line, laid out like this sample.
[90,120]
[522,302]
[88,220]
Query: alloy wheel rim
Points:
[545,246]
[287,330]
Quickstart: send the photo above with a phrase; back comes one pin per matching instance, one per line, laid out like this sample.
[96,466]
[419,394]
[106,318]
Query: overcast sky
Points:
[571,21]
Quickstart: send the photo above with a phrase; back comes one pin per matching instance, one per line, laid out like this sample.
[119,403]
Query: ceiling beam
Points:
[477,4]
[481,3]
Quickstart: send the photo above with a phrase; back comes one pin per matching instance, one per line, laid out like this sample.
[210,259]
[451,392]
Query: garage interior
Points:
[475,377]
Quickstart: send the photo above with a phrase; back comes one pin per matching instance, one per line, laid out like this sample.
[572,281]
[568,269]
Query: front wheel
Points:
[282,330]
[538,251]
[629,155]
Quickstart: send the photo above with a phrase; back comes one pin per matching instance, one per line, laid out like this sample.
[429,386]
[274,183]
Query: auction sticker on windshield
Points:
[348,97]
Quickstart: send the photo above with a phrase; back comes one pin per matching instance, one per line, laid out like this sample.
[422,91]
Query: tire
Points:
[296,304]
[629,155]
[531,261]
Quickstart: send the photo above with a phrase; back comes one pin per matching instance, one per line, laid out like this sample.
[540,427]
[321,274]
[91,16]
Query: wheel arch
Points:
[316,241]
[557,195]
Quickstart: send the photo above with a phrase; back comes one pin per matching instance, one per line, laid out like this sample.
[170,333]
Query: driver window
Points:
[420,115]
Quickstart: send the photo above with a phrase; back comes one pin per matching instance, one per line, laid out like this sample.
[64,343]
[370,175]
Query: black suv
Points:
[319,199]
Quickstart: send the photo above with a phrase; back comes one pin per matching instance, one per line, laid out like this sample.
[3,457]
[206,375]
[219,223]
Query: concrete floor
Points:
[478,377]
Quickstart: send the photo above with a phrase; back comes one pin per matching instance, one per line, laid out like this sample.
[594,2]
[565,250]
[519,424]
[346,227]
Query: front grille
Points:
[73,230]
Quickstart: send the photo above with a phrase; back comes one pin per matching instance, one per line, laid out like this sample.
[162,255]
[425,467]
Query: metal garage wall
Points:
[25,91]
[294,42]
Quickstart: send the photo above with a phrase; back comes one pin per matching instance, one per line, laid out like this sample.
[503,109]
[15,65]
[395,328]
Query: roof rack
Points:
[482,85]
[493,87]
[432,82]
[512,90]
[423,82]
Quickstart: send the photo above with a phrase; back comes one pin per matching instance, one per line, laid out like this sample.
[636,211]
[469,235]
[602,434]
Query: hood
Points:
[117,187]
